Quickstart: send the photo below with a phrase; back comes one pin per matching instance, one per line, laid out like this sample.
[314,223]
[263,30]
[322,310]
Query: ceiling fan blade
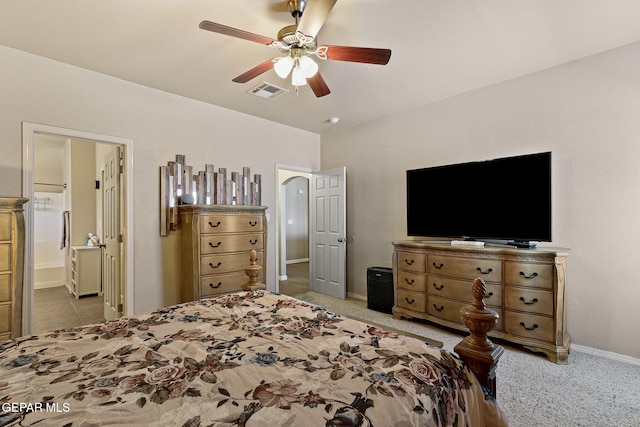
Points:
[255,71]
[367,55]
[313,17]
[318,85]
[234,32]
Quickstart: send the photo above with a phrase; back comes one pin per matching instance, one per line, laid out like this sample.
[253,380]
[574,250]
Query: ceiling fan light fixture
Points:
[308,66]
[297,76]
[283,66]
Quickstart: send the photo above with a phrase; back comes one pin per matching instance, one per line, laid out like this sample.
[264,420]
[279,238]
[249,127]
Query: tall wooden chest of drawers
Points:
[526,287]
[216,242]
[12,235]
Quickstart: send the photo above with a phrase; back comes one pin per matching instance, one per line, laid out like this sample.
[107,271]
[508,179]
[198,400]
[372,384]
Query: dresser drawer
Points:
[412,300]
[5,288]
[465,268]
[412,281]
[215,284]
[218,223]
[411,261]
[5,261]
[5,226]
[213,244]
[528,274]
[5,318]
[461,290]
[224,263]
[450,310]
[529,300]
[529,325]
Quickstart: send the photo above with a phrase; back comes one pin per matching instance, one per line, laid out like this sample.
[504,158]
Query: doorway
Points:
[87,304]
[294,242]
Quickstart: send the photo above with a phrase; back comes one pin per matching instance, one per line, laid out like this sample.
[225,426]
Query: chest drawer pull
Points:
[438,309]
[438,288]
[215,266]
[217,224]
[438,266]
[410,302]
[532,276]
[409,262]
[489,271]
[533,301]
[217,245]
[211,285]
[253,242]
[409,281]
[532,328]
[253,223]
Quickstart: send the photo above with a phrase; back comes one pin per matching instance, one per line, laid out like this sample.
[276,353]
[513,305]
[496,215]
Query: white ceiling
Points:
[441,48]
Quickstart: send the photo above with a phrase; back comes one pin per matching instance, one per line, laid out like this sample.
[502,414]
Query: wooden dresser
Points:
[216,242]
[12,236]
[526,287]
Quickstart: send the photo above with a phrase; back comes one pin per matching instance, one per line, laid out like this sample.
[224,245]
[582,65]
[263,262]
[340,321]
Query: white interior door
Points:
[328,232]
[112,236]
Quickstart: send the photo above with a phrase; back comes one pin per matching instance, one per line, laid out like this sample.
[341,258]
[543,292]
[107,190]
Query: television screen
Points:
[501,199]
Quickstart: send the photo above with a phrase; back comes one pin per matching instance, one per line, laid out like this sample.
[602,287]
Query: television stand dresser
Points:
[526,287]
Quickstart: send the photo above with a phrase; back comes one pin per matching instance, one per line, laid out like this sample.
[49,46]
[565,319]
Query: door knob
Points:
[340,240]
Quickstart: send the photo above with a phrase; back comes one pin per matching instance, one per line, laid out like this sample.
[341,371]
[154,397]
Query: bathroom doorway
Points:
[63,279]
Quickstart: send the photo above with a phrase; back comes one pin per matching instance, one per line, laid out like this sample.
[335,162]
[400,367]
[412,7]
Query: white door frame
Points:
[281,238]
[29,130]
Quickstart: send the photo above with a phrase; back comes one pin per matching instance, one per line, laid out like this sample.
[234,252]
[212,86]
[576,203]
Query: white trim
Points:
[297,261]
[356,296]
[282,277]
[29,130]
[605,354]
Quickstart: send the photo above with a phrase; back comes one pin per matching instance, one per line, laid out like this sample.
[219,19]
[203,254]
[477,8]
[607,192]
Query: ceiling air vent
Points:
[267,90]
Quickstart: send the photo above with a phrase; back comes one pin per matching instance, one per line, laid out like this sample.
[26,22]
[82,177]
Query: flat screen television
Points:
[506,200]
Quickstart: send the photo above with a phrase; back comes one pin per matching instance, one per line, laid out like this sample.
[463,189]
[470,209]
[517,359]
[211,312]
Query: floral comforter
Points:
[248,359]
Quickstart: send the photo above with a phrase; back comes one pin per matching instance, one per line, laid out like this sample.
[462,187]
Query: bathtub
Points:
[48,276]
[49,268]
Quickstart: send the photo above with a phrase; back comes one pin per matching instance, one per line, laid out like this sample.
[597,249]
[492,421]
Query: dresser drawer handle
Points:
[489,271]
[532,276]
[211,285]
[253,242]
[409,262]
[253,223]
[217,224]
[410,302]
[438,309]
[489,295]
[409,281]
[533,301]
[217,245]
[215,266]
[438,288]
[438,267]
[532,328]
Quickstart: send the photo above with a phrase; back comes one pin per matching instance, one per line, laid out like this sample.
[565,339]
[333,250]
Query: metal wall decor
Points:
[180,185]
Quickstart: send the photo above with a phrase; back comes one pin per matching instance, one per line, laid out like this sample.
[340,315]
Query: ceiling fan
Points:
[298,43]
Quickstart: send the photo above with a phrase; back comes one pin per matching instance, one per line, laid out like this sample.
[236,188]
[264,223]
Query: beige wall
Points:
[587,113]
[39,90]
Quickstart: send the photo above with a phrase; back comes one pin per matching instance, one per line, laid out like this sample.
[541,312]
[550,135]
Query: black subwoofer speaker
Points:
[380,289]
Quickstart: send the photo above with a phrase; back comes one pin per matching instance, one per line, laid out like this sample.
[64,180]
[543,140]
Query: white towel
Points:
[65,232]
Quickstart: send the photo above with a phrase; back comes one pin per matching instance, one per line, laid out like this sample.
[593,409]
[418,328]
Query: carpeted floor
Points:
[589,391]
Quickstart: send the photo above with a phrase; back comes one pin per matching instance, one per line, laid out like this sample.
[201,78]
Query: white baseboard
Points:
[297,261]
[356,296]
[282,277]
[605,354]
[45,285]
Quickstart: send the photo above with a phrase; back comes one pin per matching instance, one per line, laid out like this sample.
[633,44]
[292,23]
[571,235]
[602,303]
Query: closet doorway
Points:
[67,277]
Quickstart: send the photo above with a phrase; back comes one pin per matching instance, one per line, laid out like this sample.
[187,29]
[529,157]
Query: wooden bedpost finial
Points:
[253,271]
[477,350]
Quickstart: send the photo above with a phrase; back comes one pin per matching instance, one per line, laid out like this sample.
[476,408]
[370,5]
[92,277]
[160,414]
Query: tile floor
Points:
[57,308]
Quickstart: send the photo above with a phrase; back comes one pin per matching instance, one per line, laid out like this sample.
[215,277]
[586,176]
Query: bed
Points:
[244,359]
